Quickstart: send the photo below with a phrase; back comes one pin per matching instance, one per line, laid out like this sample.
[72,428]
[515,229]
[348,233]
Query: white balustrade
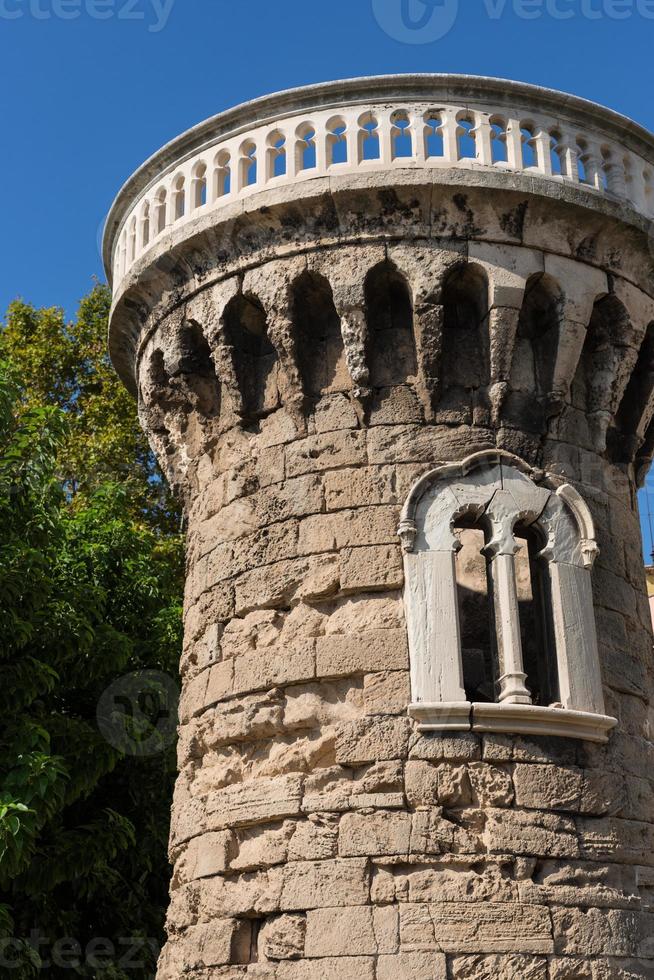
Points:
[378,137]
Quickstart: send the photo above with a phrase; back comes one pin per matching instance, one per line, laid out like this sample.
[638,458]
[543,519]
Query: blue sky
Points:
[90,88]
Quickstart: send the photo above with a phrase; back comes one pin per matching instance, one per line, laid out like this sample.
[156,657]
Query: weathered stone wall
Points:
[316,833]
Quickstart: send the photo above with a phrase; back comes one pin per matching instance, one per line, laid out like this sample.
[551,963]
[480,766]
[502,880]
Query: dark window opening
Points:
[255,358]
[389,316]
[476,618]
[536,627]
[320,348]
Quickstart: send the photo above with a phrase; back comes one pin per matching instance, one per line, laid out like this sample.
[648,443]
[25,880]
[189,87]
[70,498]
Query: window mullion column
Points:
[501,551]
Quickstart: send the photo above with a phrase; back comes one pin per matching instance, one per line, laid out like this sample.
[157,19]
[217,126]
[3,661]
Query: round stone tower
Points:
[392,341]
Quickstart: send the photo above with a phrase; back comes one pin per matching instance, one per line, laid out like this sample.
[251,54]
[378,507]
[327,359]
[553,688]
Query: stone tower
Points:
[392,341]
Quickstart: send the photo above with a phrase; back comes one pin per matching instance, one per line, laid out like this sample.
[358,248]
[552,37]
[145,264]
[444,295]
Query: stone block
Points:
[262,848]
[340,931]
[530,833]
[421,784]
[374,834]
[359,528]
[412,966]
[332,968]
[387,693]
[451,748]
[483,927]
[372,740]
[255,802]
[593,932]
[363,653]
[372,569]
[548,787]
[207,855]
[324,884]
[499,968]
[274,667]
[315,839]
[365,487]
[326,451]
[491,785]
[282,938]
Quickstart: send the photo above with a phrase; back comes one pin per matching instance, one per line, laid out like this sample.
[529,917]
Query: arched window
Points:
[255,364]
[122,254]
[160,210]
[369,148]
[199,185]
[401,138]
[636,408]
[276,155]
[389,317]
[582,157]
[499,153]
[145,225]
[336,141]
[320,348]
[593,388]
[648,191]
[222,175]
[131,246]
[466,137]
[465,356]
[248,165]
[517,651]
[433,134]
[534,355]
[305,152]
[179,197]
[529,157]
[556,159]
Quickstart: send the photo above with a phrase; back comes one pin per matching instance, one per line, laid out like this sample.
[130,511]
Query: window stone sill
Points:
[512,719]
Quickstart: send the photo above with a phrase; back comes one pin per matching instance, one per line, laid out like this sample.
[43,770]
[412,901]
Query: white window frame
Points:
[503,491]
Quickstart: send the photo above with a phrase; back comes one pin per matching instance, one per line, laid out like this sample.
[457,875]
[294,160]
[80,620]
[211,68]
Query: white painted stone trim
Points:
[189,174]
[501,490]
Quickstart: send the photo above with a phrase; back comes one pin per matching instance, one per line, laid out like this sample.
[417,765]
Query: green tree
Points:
[67,365]
[91,569]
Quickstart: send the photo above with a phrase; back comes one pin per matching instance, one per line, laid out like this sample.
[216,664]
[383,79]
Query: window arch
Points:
[466,137]
[389,318]
[433,135]
[499,152]
[276,155]
[336,141]
[199,185]
[254,358]
[222,174]
[248,165]
[145,225]
[160,210]
[401,135]
[132,240]
[179,197]
[369,143]
[305,147]
[529,156]
[553,688]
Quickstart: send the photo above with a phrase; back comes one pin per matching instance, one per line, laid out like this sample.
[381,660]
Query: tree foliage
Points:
[90,591]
